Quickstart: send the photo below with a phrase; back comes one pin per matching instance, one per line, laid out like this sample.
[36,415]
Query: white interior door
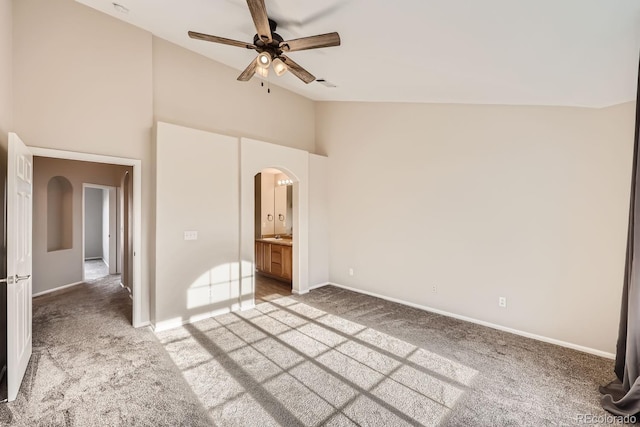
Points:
[19,220]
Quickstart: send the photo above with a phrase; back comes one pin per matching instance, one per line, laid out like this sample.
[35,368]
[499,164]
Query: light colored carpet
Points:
[95,269]
[287,363]
[334,357]
[330,357]
[90,367]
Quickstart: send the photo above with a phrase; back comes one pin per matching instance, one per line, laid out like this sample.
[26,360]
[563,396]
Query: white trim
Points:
[560,343]
[59,288]
[297,292]
[319,285]
[138,300]
[247,306]
[94,258]
[165,325]
[294,163]
[98,186]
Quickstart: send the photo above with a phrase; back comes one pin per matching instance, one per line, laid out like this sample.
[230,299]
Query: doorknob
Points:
[14,279]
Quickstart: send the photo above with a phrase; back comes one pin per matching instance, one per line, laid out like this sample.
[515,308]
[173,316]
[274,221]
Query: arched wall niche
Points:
[59,214]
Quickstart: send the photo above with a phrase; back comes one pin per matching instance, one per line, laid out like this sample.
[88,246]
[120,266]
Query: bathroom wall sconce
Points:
[280,217]
[269,217]
[285,182]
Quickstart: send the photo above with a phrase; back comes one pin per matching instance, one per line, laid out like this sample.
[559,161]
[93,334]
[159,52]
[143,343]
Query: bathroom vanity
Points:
[274,257]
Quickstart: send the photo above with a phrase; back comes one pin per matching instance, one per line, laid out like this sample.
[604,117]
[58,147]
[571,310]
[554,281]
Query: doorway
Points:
[274,234]
[101,255]
[134,206]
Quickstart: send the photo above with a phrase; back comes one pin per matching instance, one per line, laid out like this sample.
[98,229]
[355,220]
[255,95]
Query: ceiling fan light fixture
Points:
[262,72]
[264,60]
[279,67]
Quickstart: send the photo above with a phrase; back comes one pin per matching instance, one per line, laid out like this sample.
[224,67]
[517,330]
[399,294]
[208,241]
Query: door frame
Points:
[137,213]
[254,157]
[115,242]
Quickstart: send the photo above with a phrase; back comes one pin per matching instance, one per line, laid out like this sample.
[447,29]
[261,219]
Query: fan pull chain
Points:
[268,84]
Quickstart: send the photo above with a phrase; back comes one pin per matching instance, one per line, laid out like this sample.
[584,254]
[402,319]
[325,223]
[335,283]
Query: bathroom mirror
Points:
[274,204]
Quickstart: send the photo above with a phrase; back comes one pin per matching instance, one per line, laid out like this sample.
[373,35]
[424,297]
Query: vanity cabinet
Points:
[274,259]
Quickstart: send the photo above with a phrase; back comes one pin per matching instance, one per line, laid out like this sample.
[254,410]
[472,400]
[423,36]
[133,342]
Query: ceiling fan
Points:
[271,47]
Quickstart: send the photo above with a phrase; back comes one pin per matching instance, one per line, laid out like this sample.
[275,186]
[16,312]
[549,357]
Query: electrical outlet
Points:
[351,272]
[502,302]
[190,235]
[434,289]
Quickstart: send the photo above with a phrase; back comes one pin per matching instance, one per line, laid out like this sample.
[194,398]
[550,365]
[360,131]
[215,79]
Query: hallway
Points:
[95,269]
[91,367]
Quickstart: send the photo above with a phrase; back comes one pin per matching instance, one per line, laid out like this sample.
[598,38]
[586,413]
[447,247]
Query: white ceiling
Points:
[519,52]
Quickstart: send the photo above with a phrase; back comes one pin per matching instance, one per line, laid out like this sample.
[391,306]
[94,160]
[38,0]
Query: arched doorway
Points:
[274,234]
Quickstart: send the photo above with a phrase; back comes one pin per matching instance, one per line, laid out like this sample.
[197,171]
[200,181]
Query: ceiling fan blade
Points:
[259,14]
[313,42]
[248,72]
[222,40]
[297,70]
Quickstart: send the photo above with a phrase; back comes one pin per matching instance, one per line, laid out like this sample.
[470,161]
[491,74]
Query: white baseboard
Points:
[320,285]
[481,322]
[165,325]
[312,287]
[143,324]
[59,288]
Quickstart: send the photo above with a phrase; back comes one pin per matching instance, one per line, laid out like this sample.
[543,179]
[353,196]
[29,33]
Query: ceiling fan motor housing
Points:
[272,48]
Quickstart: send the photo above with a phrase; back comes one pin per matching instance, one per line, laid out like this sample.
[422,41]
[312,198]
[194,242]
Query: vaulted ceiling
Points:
[525,52]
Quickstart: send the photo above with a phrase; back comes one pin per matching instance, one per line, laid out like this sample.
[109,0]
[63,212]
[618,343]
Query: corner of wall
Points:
[318,122]
[152,225]
[6,71]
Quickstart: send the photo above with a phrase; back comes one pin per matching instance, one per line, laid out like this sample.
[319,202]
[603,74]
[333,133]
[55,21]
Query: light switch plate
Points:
[190,235]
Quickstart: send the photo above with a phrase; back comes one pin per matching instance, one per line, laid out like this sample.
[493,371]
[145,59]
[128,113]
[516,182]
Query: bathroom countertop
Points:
[273,240]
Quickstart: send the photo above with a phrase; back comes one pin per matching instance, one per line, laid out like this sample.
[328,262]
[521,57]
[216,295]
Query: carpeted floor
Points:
[520,381]
[331,357]
[336,357]
[90,367]
[95,269]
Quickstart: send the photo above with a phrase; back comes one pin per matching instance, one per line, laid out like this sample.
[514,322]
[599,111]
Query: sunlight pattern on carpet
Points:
[287,363]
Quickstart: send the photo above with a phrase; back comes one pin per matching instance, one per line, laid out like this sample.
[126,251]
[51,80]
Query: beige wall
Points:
[103,80]
[319,233]
[82,82]
[205,183]
[6,70]
[63,267]
[529,203]
[197,190]
[93,200]
[191,90]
